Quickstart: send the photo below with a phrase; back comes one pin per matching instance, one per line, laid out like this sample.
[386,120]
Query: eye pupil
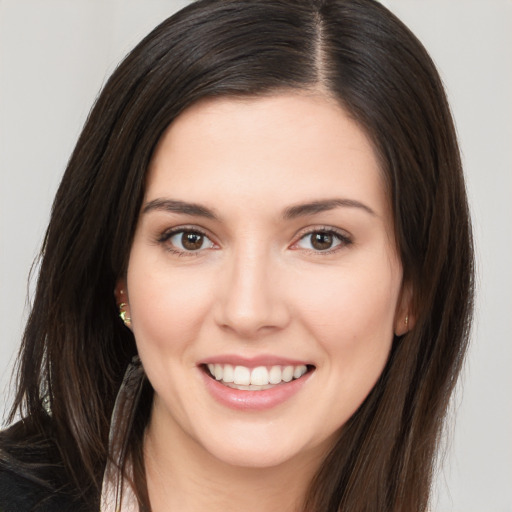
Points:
[321,241]
[192,241]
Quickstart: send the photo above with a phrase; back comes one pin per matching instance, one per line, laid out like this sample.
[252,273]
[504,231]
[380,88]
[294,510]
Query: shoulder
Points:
[31,479]
[20,494]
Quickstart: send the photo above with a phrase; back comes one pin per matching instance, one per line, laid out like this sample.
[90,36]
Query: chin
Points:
[259,450]
[253,457]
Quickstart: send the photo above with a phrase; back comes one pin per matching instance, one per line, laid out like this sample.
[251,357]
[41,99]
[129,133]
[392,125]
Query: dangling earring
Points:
[406,321]
[116,492]
[123,313]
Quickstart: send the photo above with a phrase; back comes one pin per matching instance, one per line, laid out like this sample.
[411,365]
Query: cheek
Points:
[167,305]
[350,316]
[350,312]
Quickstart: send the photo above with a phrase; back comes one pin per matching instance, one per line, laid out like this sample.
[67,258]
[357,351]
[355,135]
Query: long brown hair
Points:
[75,349]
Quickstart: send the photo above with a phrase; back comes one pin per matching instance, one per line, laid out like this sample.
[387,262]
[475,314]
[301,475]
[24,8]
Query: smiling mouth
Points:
[255,379]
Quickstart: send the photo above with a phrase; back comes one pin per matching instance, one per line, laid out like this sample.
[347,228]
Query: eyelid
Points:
[323,228]
[167,234]
[345,237]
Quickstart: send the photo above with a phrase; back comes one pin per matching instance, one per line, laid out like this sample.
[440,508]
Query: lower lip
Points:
[254,400]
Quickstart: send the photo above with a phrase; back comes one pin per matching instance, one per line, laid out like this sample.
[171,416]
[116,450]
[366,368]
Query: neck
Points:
[183,476]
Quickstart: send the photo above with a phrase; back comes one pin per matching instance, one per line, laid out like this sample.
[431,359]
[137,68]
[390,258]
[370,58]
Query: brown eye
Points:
[321,241]
[189,241]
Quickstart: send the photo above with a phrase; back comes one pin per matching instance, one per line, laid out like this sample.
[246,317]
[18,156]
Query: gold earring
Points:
[406,321]
[124,314]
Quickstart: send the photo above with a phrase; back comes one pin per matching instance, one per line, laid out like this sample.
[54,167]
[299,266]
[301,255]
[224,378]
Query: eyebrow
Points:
[302,210]
[292,212]
[174,206]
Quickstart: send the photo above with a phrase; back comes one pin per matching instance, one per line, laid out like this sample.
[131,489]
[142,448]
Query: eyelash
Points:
[167,235]
[343,239]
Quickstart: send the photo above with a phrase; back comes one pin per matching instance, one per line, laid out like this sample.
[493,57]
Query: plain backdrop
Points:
[56,54]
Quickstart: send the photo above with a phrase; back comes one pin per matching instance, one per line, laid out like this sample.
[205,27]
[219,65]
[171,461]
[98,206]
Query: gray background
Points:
[56,54]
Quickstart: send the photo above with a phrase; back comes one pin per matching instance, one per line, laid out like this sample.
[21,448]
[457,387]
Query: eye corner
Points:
[180,246]
[328,241]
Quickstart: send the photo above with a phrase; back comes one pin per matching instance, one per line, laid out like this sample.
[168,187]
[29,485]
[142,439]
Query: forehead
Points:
[267,150]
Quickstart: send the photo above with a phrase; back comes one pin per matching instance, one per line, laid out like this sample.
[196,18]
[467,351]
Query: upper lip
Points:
[253,362]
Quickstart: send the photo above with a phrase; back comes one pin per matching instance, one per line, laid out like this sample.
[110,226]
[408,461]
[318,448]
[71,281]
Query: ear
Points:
[404,316]
[121,295]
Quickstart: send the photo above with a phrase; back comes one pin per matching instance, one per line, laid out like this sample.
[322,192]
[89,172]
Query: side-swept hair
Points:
[75,349]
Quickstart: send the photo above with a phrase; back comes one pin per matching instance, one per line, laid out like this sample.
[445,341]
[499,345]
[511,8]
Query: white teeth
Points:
[288,373]
[299,371]
[229,373]
[242,376]
[251,387]
[261,377]
[275,375]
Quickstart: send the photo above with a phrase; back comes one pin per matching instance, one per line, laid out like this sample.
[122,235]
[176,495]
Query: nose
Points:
[251,302]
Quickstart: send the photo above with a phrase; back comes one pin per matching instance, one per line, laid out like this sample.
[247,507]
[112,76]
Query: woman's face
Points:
[263,283]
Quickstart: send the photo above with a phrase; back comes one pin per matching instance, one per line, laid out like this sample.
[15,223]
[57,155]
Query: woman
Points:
[269,195]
